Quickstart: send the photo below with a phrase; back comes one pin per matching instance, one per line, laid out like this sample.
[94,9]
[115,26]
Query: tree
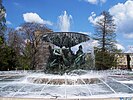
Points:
[105,34]
[3,50]
[2,23]
[32,33]
[14,41]
[8,51]
[8,59]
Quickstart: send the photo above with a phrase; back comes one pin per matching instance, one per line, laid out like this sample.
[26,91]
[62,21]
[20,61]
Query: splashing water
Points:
[65,22]
[78,84]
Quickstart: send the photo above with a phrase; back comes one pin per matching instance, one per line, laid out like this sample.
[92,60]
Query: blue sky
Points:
[83,15]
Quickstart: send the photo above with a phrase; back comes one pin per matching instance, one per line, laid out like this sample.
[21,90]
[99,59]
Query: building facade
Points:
[122,60]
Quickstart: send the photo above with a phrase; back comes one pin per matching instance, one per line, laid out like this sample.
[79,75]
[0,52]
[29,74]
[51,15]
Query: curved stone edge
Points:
[57,81]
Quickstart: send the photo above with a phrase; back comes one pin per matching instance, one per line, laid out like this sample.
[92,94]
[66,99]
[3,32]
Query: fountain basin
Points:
[92,85]
[63,80]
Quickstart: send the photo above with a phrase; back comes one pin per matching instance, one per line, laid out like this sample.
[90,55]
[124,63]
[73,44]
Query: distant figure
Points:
[80,57]
[128,62]
[80,51]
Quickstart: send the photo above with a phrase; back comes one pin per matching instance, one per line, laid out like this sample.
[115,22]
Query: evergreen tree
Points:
[105,34]
[2,23]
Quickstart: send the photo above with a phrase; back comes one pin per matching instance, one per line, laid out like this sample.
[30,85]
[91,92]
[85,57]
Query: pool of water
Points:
[111,83]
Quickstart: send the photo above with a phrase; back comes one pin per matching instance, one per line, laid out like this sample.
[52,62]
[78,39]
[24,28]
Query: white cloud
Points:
[93,18]
[129,36]
[120,47]
[130,49]
[88,46]
[92,1]
[34,17]
[17,28]
[123,16]
[95,1]
[95,43]
[86,33]
[8,23]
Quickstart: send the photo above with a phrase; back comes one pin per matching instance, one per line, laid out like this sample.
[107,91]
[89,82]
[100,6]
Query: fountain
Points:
[70,84]
[77,83]
[63,59]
